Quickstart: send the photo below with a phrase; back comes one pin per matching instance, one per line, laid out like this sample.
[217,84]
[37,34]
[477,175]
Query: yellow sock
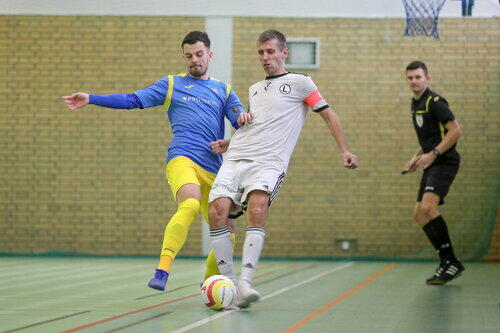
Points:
[177,230]
[211,264]
[165,263]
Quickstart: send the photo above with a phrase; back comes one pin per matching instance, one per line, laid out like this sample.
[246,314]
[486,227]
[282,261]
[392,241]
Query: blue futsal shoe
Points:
[158,281]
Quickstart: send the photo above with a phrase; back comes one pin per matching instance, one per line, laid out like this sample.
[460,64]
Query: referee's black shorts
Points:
[438,178]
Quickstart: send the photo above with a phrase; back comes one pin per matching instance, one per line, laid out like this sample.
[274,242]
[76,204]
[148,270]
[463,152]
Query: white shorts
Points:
[238,178]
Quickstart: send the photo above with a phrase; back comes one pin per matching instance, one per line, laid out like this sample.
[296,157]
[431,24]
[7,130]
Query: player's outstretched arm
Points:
[333,123]
[114,101]
[76,100]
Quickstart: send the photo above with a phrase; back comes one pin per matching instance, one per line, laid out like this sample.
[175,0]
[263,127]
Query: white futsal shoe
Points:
[246,295]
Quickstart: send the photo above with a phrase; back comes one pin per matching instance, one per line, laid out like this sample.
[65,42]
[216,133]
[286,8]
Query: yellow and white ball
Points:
[218,292]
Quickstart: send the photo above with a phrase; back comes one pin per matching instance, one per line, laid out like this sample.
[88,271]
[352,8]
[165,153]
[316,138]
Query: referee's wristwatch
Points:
[436,152]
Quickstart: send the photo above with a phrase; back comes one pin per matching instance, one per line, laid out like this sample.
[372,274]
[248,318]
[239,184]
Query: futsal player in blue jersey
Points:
[196,105]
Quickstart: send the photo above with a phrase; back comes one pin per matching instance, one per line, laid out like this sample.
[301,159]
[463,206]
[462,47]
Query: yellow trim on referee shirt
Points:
[441,127]
[426,106]
[170,91]
[427,103]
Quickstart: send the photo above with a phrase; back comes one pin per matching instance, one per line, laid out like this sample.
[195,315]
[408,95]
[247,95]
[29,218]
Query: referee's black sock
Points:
[437,232]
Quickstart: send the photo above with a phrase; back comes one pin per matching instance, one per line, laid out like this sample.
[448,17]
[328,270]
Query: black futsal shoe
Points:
[446,272]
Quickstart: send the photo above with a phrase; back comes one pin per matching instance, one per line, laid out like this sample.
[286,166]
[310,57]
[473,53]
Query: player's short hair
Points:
[196,36]
[273,34]
[415,65]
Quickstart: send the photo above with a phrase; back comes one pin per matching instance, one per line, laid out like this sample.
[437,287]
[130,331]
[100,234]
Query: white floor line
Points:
[278,292]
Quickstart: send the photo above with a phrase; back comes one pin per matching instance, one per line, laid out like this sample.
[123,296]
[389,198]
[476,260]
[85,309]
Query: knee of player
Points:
[256,214]
[416,214]
[216,215]
[427,209]
[190,205]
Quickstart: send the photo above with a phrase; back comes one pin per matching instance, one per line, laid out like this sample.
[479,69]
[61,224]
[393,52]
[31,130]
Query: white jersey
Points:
[279,104]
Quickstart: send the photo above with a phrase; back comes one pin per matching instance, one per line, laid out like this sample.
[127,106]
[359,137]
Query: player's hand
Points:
[350,160]
[411,166]
[245,118]
[77,100]
[426,160]
[219,146]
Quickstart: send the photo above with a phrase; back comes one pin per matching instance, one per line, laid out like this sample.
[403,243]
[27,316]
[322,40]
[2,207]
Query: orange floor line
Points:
[339,299]
[155,306]
[125,314]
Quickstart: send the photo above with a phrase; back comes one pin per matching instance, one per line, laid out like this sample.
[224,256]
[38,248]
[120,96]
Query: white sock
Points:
[223,248]
[254,242]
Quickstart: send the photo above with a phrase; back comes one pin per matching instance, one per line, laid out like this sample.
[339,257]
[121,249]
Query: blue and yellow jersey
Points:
[196,109]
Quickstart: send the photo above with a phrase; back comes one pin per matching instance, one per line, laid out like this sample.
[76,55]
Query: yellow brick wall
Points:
[92,180]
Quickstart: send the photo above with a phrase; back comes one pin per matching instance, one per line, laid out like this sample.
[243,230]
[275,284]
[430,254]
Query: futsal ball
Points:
[218,292]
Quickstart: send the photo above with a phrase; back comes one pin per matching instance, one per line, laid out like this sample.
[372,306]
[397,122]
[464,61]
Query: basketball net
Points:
[422,17]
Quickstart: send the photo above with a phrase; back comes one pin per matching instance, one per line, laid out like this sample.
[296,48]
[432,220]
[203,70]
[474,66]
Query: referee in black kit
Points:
[438,132]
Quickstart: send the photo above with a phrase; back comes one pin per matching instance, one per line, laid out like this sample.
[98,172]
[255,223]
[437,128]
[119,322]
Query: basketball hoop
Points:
[422,17]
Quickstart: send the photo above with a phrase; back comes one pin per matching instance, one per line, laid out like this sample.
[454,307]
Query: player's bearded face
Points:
[197,58]
[417,80]
[272,57]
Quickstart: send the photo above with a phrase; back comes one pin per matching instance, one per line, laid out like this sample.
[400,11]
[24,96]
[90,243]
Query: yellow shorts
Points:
[181,171]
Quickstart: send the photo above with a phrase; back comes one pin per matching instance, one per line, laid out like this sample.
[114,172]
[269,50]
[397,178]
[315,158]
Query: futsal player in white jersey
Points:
[258,155]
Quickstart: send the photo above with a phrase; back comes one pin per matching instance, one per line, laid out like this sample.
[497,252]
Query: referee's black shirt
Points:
[430,113]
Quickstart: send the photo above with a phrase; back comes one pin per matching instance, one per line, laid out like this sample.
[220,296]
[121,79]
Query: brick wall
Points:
[92,181]
[89,181]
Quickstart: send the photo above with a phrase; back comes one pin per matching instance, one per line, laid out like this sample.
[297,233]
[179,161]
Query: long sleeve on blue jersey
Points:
[116,101]
[233,108]
[153,95]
